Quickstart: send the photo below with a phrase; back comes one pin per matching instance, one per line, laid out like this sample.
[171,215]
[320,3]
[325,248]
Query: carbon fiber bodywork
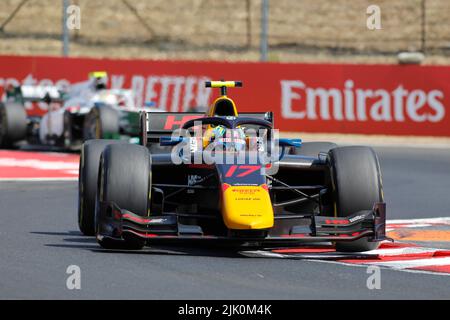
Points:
[186,200]
[119,223]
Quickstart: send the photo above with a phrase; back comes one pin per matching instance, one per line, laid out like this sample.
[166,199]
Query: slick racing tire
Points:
[125,180]
[13,124]
[312,149]
[87,183]
[102,122]
[357,185]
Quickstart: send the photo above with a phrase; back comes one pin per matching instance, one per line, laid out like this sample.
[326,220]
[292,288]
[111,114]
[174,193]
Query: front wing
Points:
[120,224]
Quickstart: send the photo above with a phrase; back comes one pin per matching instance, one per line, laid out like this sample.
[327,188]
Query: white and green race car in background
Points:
[87,111]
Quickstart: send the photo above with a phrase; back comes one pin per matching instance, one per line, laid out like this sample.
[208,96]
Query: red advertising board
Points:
[342,98]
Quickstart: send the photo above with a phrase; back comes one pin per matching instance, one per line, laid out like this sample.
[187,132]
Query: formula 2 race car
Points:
[299,193]
[87,111]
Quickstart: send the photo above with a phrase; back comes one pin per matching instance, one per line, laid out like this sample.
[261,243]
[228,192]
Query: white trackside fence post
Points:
[264,41]
[65,28]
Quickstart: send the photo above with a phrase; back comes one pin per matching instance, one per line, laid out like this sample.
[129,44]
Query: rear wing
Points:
[155,125]
[29,93]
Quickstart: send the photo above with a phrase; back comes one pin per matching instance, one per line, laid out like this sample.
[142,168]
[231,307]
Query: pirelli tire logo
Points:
[353,103]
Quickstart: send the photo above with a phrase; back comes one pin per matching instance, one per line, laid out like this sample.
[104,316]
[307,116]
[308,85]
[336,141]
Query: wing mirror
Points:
[288,143]
[170,141]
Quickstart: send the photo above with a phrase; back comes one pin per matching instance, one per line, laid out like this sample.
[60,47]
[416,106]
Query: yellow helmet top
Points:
[98,74]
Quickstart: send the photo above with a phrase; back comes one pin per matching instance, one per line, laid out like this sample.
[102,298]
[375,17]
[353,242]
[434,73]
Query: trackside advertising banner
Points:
[341,98]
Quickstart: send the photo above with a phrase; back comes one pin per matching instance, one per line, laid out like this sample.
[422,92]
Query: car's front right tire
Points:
[87,183]
[125,180]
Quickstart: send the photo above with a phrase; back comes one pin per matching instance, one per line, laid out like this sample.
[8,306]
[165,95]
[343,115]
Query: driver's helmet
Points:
[230,139]
[99,80]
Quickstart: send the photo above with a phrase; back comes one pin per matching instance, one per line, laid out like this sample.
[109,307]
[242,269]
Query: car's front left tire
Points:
[357,185]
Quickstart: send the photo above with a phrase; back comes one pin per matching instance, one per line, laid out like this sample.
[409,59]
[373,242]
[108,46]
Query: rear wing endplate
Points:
[41,93]
[31,93]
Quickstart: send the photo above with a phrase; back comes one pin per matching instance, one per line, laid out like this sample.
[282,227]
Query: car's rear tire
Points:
[125,180]
[13,124]
[312,149]
[87,183]
[102,122]
[357,185]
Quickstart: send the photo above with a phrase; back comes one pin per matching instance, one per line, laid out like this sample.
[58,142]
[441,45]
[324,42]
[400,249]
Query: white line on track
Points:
[402,251]
[405,264]
[444,220]
[38,179]
[384,267]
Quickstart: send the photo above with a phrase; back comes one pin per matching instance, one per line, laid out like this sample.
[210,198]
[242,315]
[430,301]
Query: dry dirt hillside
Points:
[299,30]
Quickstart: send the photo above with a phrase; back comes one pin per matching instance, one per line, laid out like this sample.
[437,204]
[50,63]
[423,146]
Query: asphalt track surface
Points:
[39,239]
